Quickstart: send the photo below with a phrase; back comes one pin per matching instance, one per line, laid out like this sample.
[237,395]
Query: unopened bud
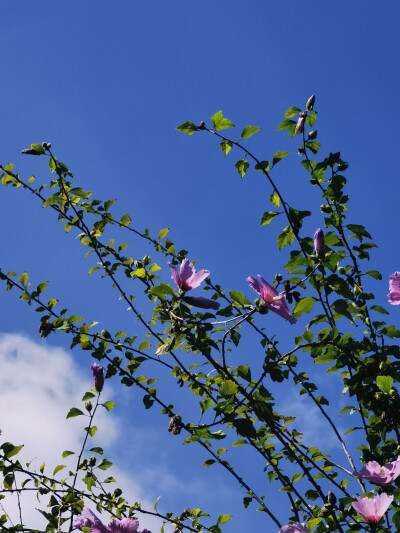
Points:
[312,135]
[319,242]
[30,151]
[300,123]
[202,125]
[310,102]
[88,406]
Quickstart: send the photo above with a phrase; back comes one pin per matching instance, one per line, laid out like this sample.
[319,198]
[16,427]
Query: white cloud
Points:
[38,386]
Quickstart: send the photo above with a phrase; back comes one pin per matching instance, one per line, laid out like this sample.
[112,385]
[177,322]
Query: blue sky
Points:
[107,83]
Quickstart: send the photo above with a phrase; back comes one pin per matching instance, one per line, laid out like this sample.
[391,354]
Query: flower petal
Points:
[197,278]
[175,275]
[126,525]
[254,284]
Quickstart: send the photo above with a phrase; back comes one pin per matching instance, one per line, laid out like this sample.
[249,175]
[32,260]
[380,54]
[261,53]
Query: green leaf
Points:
[88,396]
[162,233]
[274,199]
[289,125]
[342,308]
[221,123]
[239,298]
[144,345]
[241,166]
[104,464]
[223,518]
[166,348]
[379,309]
[187,127]
[374,274]
[244,372]
[384,383]
[23,278]
[226,146]
[38,149]
[267,217]
[359,231]
[263,166]
[10,450]
[245,428]
[66,453]
[228,388]
[304,305]
[125,220]
[208,462]
[74,411]
[249,131]
[90,481]
[161,291]
[91,430]
[278,156]
[286,237]
[311,118]
[57,469]
[93,269]
[156,503]
[109,405]
[391,332]
[291,112]
[97,449]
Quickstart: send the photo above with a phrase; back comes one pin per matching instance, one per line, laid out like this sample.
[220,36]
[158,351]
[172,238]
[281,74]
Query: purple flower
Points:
[319,242]
[98,376]
[294,528]
[203,303]
[272,299]
[126,525]
[187,278]
[394,288]
[372,509]
[89,519]
[380,475]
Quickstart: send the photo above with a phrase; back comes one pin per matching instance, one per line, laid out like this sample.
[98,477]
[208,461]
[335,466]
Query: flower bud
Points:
[88,406]
[202,125]
[310,102]
[300,123]
[319,242]
[98,376]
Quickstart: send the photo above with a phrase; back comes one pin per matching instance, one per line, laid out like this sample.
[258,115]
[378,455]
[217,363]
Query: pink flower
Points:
[380,475]
[372,509]
[294,528]
[272,299]
[126,525]
[394,288]
[88,519]
[319,242]
[187,278]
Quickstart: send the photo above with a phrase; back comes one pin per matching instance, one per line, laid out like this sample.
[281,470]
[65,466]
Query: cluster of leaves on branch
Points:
[338,327]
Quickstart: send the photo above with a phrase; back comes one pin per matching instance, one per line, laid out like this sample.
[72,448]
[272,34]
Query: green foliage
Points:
[232,385]
[220,122]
